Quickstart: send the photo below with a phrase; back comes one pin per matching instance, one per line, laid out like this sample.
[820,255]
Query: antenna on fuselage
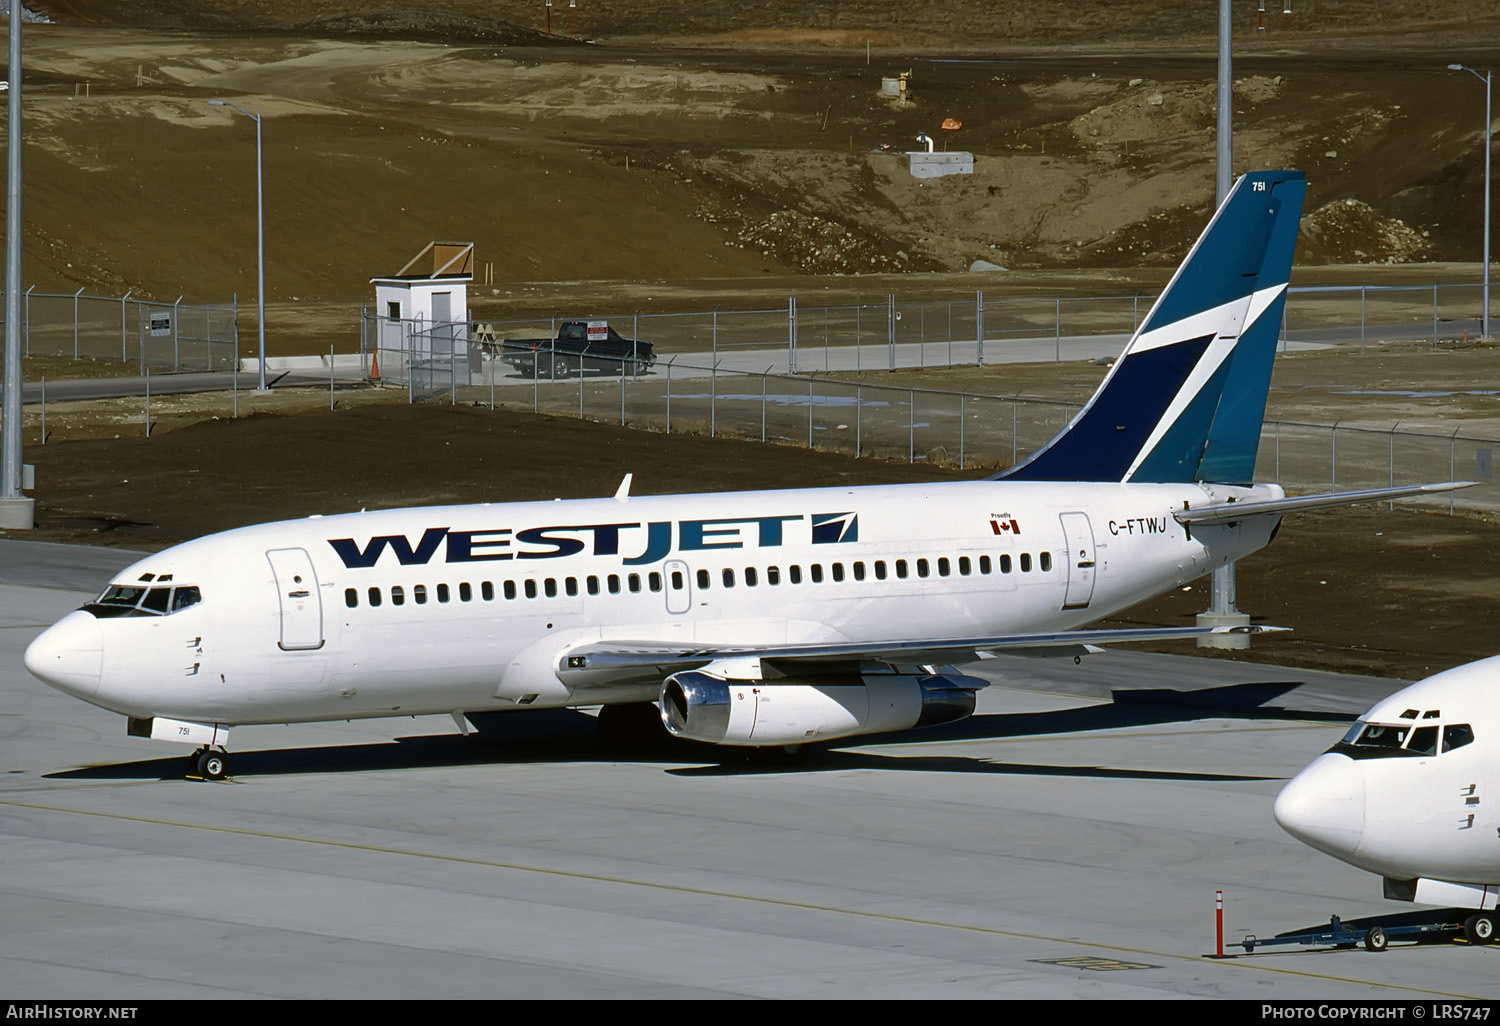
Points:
[622,494]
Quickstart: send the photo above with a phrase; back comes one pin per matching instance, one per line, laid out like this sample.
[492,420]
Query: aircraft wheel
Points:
[1480,929]
[779,755]
[1375,939]
[212,765]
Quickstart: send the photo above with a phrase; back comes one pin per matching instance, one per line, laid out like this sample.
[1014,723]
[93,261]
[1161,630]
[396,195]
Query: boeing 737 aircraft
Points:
[1409,794]
[769,618]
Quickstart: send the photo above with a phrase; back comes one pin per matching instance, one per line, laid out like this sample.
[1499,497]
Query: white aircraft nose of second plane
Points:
[1324,806]
[69,655]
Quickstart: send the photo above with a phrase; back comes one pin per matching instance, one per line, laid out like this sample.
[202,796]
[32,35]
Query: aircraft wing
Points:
[1228,512]
[598,661]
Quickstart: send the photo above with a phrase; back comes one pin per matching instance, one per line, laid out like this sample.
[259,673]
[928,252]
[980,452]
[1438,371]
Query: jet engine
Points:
[790,711]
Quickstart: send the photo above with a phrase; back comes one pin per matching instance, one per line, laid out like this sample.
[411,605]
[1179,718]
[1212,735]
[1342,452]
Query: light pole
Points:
[1484,321]
[16,510]
[260,238]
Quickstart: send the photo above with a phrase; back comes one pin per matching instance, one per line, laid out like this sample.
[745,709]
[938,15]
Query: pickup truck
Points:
[575,352]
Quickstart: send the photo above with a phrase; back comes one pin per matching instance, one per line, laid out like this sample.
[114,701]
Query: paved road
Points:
[1087,812]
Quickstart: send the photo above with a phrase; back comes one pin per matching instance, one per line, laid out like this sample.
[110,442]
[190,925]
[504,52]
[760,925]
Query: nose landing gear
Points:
[207,764]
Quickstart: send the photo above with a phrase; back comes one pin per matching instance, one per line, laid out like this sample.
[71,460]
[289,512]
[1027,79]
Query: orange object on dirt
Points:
[952,124]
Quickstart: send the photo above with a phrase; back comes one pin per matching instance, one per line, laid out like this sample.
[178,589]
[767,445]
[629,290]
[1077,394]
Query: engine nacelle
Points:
[703,707]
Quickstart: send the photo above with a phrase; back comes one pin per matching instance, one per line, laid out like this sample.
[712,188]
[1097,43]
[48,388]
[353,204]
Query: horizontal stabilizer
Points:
[1229,512]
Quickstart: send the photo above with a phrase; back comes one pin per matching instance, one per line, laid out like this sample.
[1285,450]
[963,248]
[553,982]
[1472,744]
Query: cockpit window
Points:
[1382,735]
[1380,740]
[1423,741]
[130,600]
[121,595]
[1456,735]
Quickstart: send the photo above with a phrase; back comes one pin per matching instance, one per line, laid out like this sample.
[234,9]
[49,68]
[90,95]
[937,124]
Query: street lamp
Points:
[1484,324]
[260,238]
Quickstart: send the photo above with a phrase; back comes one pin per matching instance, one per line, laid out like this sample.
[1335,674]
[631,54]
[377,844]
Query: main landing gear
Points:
[207,764]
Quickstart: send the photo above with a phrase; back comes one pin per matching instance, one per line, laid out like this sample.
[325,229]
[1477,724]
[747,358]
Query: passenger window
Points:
[614,584]
[750,577]
[487,591]
[728,577]
[398,596]
[1005,563]
[593,584]
[1025,562]
[859,570]
[570,586]
[984,564]
[442,593]
[634,582]
[653,581]
[1046,561]
[944,567]
[922,568]
[549,586]
[816,570]
[838,571]
[773,575]
[351,597]
[374,596]
[964,568]
[1456,735]
[419,594]
[880,569]
[794,574]
[677,580]
[465,593]
[510,589]
[530,588]
[703,578]
[901,568]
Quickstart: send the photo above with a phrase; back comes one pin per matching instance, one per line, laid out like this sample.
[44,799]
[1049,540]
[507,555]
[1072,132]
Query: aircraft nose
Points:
[69,655]
[1324,805]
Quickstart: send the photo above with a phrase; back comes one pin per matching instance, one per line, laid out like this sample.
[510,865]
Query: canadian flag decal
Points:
[1005,527]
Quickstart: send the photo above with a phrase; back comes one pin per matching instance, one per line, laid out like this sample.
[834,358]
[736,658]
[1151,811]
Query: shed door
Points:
[301,605]
[1080,565]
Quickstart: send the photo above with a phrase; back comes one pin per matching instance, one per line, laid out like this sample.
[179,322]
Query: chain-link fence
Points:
[961,430]
[932,333]
[137,332]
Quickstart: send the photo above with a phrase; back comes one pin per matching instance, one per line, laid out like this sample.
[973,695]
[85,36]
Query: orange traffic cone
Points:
[375,365]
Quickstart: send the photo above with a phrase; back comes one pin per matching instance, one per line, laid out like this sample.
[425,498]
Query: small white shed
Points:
[433,287]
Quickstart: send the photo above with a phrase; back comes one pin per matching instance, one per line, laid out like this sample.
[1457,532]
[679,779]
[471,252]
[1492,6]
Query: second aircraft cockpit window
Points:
[133,600]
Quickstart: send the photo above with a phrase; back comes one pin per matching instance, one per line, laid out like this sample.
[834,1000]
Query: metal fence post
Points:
[124,345]
[176,362]
[890,321]
[911,425]
[1434,314]
[75,322]
[791,333]
[978,328]
[763,378]
[669,393]
[809,410]
[26,320]
[960,431]
[859,416]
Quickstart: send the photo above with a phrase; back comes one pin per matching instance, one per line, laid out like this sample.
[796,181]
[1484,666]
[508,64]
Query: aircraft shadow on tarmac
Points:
[567,735]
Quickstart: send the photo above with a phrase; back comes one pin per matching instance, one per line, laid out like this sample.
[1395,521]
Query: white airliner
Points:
[1410,794]
[769,618]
